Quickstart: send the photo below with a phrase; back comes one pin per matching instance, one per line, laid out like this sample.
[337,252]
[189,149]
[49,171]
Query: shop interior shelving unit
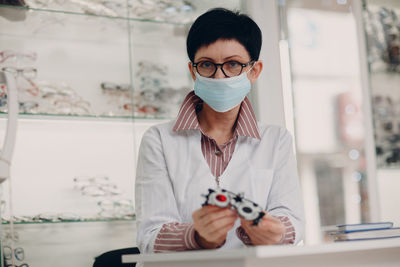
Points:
[92,76]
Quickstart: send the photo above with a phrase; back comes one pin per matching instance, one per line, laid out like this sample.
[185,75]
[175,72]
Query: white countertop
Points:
[268,251]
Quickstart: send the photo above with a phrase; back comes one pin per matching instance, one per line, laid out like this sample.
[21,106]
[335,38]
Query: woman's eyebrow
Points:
[211,59]
[232,57]
[205,58]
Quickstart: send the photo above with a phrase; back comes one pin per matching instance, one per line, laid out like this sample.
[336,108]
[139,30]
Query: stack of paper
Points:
[365,231]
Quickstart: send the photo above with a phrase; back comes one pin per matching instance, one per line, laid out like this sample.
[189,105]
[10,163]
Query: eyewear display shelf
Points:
[381,23]
[92,77]
[99,59]
[69,64]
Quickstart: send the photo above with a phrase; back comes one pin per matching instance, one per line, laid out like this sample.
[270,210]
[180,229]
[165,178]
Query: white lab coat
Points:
[172,174]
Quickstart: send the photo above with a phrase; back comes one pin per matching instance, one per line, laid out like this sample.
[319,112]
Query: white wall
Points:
[388,190]
[267,96]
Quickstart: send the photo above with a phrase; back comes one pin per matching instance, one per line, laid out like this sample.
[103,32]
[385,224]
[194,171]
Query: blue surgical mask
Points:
[222,94]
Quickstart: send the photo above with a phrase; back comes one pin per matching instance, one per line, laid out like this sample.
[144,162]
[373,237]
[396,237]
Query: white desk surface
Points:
[270,252]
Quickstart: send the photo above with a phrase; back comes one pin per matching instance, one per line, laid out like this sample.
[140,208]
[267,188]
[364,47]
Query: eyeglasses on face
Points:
[229,68]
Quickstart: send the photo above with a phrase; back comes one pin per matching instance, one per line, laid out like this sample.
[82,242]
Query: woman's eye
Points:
[206,64]
[233,64]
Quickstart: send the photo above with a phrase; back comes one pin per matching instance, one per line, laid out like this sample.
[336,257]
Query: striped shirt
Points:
[217,156]
[181,236]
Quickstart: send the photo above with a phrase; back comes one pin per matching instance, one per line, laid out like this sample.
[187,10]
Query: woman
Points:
[216,141]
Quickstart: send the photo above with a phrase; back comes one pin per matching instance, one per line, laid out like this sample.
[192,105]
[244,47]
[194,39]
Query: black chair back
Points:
[113,258]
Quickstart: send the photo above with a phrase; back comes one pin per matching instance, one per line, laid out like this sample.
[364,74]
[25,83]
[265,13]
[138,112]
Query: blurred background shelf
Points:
[6,222]
[92,77]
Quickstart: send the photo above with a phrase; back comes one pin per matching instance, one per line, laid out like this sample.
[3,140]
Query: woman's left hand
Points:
[268,231]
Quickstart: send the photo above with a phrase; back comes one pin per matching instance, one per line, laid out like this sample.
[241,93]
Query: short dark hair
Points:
[221,23]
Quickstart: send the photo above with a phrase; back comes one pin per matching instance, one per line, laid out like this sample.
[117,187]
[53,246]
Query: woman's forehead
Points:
[223,49]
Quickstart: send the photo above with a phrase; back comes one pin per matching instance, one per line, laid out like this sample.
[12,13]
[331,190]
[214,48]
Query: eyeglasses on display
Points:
[153,96]
[18,253]
[179,11]
[108,86]
[113,209]
[386,111]
[7,55]
[28,74]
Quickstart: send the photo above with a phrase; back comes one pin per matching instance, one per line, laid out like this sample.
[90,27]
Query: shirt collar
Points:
[246,124]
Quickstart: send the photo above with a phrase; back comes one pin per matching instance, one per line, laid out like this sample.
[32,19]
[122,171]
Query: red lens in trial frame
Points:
[221,198]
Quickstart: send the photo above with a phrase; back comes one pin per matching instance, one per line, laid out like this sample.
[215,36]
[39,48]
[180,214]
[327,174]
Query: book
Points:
[348,228]
[371,234]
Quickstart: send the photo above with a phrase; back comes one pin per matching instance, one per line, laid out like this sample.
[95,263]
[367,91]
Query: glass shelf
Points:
[88,66]
[69,244]
[60,10]
[166,12]
[85,117]
[76,221]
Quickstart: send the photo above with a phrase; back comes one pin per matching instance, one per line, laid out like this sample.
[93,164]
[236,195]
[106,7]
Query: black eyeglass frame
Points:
[18,253]
[221,65]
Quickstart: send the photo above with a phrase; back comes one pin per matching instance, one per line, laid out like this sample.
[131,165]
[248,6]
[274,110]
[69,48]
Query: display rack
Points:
[381,23]
[90,83]
[80,65]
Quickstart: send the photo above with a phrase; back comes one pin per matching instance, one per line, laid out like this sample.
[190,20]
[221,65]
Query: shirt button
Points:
[217,152]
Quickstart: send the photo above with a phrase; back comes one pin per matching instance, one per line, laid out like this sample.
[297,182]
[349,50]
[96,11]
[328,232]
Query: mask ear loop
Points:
[194,68]
[252,66]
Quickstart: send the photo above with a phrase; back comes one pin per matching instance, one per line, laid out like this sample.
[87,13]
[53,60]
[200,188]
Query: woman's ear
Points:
[255,71]
[191,69]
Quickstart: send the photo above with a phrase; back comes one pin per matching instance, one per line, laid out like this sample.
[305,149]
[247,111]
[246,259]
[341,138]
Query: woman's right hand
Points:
[212,224]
